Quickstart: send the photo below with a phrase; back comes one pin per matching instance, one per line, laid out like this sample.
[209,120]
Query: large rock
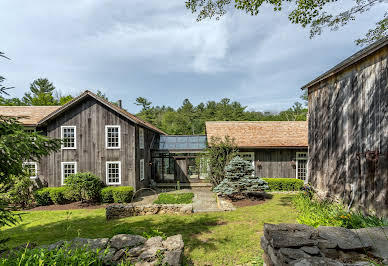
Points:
[316,261]
[344,238]
[93,244]
[174,242]
[378,237]
[173,258]
[151,253]
[154,242]
[107,257]
[290,254]
[126,241]
[290,235]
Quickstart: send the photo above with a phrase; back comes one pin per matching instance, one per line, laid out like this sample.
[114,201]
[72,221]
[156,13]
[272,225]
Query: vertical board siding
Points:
[90,118]
[275,163]
[348,116]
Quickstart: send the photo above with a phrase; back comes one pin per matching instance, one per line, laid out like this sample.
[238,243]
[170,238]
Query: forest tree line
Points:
[187,119]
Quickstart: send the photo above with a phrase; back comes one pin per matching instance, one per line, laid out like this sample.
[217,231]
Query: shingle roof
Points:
[261,134]
[349,61]
[119,110]
[28,115]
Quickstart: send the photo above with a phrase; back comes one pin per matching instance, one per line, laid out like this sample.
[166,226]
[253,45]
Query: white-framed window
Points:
[141,169]
[301,165]
[32,169]
[30,130]
[68,168]
[69,137]
[141,138]
[112,137]
[113,173]
[250,157]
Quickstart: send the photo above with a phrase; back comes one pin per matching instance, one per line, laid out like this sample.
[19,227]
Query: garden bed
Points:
[247,202]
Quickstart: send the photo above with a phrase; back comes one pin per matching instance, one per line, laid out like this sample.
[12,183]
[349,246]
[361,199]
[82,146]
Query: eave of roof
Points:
[349,61]
[108,104]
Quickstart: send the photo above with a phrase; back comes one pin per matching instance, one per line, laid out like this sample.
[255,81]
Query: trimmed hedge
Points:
[63,195]
[42,196]
[58,195]
[122,194]
[107,195]
[284,184]
[53,195]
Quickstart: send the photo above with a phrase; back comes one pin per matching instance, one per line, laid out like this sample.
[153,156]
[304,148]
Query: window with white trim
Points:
[31,168]
[113,173]
[301,165]
[112,137]
[68,168]
[68,136]
[30,130]
[141,169]
[141,138]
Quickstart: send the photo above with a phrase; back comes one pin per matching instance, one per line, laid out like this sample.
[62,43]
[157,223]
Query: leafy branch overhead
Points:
[312,13]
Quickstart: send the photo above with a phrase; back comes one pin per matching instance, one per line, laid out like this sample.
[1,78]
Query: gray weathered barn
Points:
[277,149]
[348,129]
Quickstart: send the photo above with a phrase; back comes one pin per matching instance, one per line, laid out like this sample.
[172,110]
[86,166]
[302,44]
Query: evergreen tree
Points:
[41,93]
[239,179]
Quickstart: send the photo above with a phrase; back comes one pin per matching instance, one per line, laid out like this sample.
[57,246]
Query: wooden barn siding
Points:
[90,118]
[275,163]
[348,114]
[145,154]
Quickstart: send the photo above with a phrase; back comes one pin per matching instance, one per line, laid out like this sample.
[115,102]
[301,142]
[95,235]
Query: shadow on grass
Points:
[190,226]
[286,201]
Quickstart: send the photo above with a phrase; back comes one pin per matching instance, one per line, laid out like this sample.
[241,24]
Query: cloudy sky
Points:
[156,49]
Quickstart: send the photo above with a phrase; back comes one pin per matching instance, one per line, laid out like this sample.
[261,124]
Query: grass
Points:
[175,198]
[219,238]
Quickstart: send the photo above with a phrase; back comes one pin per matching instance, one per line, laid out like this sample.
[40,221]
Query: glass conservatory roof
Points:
[194,142]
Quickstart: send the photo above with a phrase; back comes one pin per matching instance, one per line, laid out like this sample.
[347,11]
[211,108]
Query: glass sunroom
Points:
[179,158]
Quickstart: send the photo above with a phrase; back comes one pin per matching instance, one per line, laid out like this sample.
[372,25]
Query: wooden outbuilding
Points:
[348,130]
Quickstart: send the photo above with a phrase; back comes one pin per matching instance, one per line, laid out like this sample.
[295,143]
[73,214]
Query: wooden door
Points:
[181,170]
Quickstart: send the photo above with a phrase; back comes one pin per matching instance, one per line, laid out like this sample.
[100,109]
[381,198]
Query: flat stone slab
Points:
[290,235]
[126,241]
[378,237]
[344,238]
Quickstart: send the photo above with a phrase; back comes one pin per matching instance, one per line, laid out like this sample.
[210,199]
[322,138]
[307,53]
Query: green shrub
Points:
[175,198]
[122,194]
[20,192]
[284,184]
[58,195]
[325,213]
[239,179]
[85,186]
[42,196]
[107,195]
[60,256]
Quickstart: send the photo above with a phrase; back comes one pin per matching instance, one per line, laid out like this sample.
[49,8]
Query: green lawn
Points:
[221,238]
[175,198]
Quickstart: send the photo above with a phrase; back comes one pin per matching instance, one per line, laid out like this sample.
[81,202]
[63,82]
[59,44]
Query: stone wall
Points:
[298,244]
[133,249]
[127,210]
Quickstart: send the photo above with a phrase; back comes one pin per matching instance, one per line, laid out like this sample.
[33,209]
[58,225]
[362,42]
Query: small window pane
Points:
[31,168]
[113,137]
[68,137]
[113,173]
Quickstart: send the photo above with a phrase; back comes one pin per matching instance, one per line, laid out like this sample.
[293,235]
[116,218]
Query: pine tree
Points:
[239,179]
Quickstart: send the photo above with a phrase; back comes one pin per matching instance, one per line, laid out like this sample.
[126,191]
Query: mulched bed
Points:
[70,206]
[247,202]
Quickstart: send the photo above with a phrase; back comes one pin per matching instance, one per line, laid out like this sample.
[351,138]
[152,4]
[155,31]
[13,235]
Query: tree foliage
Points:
[239,179]
[18,146]
[312,13]
[218,155]
[189,119]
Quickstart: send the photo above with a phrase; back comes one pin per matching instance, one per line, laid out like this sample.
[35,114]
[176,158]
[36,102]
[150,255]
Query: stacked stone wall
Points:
[298,244]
